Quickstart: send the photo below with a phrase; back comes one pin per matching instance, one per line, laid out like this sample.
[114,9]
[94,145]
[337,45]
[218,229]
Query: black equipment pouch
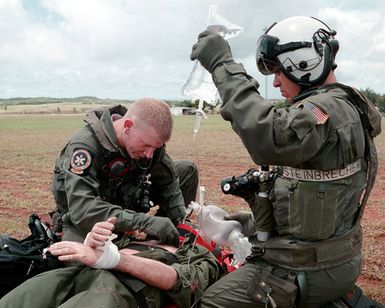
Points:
[271,290]
[22,259]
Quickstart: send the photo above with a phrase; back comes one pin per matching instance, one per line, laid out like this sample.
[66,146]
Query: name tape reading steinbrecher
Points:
[322,175]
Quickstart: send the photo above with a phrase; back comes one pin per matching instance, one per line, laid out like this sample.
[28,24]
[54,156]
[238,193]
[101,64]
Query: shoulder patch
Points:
[319,114]
[80,161]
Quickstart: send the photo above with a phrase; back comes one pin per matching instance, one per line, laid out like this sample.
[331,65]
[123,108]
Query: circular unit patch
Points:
[80,161]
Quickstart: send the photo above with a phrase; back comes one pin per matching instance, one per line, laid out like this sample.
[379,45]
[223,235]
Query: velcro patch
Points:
[117,167]
[319,114]
[80,161]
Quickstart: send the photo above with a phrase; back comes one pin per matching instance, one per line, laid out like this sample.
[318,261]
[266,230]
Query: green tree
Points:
[376,98]
[184,103]
[282,103]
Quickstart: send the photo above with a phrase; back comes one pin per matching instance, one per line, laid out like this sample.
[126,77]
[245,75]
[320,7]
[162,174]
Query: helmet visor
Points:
[266,57]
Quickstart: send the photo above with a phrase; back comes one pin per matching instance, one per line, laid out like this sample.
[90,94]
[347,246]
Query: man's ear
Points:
[128,123]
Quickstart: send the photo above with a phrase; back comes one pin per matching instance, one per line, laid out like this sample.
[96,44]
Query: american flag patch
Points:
[320,115]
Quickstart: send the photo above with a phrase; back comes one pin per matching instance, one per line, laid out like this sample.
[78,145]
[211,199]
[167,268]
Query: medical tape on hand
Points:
[110,256]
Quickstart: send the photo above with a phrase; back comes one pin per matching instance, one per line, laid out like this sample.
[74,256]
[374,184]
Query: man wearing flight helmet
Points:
[323,147]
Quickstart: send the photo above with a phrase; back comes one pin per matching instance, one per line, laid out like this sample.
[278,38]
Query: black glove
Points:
[246,219]
[211,50]
[160,227]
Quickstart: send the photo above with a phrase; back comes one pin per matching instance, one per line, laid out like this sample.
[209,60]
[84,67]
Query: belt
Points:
[309,256]
[134,285]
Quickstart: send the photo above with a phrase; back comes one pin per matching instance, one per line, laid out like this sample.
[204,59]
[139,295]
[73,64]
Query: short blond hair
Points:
[155,113]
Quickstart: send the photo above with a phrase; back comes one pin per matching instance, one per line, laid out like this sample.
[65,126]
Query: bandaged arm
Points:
[151,272]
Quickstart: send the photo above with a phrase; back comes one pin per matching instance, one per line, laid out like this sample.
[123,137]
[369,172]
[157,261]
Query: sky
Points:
[127,49]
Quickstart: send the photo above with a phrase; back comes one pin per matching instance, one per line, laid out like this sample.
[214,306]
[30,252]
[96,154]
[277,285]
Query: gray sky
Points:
[128,49]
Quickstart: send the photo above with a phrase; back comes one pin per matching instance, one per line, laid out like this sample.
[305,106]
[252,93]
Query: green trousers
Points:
[76,287]
[322,286]
[187,172]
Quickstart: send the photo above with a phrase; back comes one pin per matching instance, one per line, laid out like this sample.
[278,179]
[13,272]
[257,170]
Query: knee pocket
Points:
[266,288]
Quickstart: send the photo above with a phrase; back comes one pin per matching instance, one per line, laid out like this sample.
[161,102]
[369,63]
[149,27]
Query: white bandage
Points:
[110,256]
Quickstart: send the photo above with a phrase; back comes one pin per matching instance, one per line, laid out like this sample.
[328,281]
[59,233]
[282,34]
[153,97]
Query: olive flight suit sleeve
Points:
[165,188]
[85,206]
[285,136]
[197,270]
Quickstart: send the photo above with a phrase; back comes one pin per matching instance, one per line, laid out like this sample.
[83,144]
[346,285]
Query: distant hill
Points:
[50,105]
[61,105]
[50,100]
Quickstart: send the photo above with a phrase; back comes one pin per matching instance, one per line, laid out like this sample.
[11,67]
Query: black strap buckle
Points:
[257,249]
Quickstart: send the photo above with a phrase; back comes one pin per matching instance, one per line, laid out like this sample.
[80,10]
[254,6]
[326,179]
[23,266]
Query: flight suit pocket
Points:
[58,181]
[312,210]
[58,190]
[271,290]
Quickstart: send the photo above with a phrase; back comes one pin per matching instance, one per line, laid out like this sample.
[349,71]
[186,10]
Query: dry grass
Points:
[29,145]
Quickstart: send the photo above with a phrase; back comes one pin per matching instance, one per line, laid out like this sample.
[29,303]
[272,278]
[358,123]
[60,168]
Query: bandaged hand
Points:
[98,251]
[100,233]
[100,238]
[110,256]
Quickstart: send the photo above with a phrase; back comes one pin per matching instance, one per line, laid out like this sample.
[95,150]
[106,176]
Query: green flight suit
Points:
[95,179]
[320,133]
[83,287]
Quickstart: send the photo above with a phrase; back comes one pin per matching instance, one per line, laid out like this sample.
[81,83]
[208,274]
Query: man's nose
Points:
[276,81]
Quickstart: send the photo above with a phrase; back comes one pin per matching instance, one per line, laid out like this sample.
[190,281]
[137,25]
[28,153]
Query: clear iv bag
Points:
[199,84]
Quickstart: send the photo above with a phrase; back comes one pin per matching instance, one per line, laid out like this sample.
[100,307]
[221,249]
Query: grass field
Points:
[29,145]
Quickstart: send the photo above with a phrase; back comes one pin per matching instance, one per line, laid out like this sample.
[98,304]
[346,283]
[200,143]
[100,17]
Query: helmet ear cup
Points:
[329,60]
[323,39]
[335,45]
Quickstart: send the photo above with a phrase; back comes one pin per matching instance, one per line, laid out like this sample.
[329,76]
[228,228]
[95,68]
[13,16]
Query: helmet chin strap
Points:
[306,89]
[303,94]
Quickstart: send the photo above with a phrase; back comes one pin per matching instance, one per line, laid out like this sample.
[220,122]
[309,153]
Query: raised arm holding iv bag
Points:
[199,85]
